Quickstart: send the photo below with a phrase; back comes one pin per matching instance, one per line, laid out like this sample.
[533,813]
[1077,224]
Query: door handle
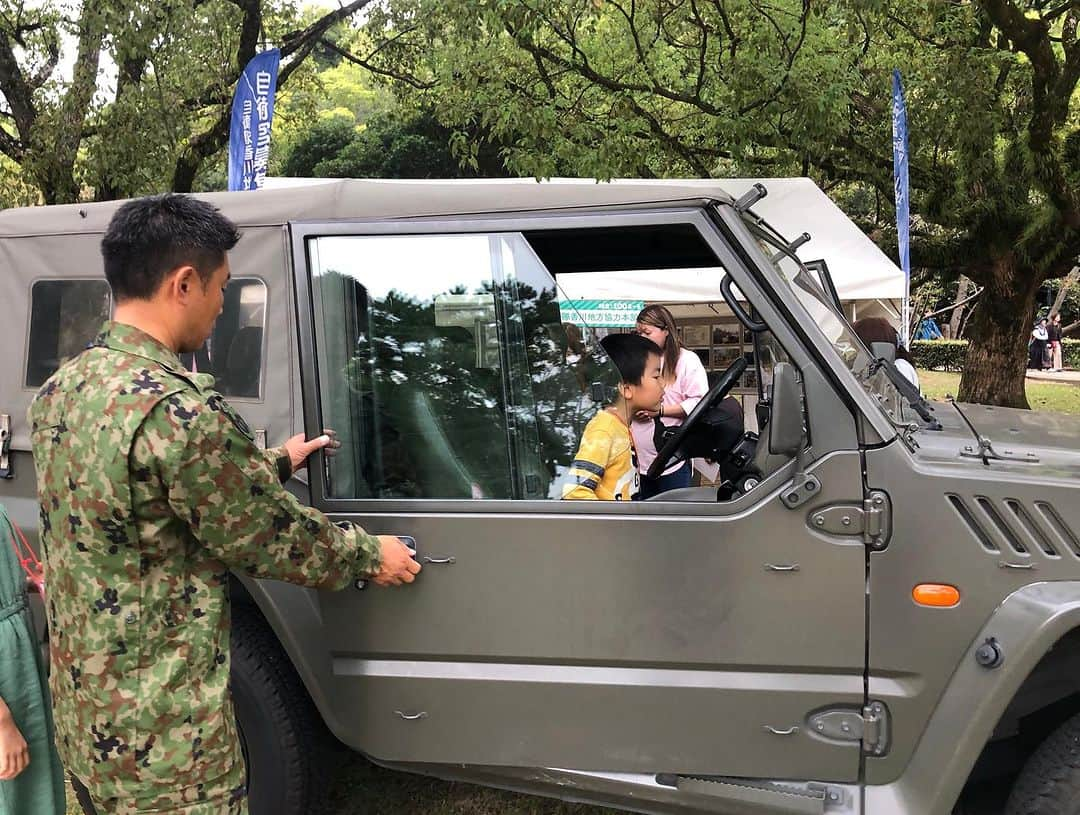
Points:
[410,544]
[411,717]
[1004,564]
[791,731]
[450,559]
[784,567]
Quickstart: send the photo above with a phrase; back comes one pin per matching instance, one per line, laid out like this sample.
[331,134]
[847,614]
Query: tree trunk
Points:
[1066,284]
[963,287]
[999,332]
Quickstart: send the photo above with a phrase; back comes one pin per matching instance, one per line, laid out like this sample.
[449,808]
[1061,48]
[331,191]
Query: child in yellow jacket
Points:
[605,467]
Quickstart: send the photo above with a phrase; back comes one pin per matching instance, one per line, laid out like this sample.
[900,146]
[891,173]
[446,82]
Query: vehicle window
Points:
[234,352]
[463,367]
[65,315]
[807,288]
[808,291]
[445,368]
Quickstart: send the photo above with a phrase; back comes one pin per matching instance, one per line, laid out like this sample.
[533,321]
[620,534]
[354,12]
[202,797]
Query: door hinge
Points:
[869,726]
[871,520]
[6,470]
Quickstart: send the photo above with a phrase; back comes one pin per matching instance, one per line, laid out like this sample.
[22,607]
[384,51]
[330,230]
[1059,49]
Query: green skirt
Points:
[39,789]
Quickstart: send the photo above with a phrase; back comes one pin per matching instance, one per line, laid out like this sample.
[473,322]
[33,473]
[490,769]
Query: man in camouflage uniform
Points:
[151,489]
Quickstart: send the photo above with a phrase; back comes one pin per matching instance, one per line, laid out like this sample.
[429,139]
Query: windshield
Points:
[806,288]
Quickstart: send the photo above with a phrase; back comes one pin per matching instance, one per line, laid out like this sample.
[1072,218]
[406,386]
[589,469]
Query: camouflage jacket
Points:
[151,489]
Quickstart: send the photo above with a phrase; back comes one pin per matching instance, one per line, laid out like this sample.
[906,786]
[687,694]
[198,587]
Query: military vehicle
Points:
[873,603]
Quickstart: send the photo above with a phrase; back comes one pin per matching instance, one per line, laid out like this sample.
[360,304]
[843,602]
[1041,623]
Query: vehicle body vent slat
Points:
[976,529]
[1059,527]
[1002,526]
[1033,530]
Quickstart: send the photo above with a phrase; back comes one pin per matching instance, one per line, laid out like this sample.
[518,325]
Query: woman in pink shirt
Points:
[685,382]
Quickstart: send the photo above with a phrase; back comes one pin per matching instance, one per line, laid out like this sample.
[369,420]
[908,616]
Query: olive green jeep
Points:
[865,603]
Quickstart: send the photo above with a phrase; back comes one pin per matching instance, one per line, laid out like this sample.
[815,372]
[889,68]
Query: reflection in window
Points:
[233,354]
[65,315]
[445,369]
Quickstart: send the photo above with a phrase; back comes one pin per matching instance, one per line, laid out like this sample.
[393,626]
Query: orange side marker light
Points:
[936,595]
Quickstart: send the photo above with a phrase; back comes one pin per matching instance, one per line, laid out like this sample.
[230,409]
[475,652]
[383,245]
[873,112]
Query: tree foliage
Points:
[164,113]
[775,87]
[395,144]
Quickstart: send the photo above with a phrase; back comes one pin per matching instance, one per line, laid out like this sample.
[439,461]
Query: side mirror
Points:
[883,350]
[787,429]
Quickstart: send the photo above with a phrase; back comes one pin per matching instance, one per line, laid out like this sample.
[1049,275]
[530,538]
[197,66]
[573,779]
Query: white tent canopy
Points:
[863,275]
[860,270]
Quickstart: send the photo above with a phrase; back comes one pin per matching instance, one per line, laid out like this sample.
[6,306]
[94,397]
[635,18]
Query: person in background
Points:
[928,328]
[31,776]
[1053,333]
[604,468]
[878,329]
[685,382]
[1037,346]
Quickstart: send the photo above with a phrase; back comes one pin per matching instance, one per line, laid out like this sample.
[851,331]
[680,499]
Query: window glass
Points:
[461,367]
[234,352]
[65,315]
[445,368]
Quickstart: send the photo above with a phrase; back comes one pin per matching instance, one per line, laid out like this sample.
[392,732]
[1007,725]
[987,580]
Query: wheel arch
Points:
[1028,625]
[1049,695]
[293,614]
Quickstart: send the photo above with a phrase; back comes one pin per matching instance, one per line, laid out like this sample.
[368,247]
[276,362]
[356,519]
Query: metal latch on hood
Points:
[986,449]
[871,520]
[987,452]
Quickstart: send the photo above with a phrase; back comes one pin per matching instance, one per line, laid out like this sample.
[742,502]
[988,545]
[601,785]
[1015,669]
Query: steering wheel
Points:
[715,395]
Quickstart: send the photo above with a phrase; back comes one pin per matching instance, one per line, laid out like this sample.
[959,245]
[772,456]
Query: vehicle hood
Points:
[1046,445]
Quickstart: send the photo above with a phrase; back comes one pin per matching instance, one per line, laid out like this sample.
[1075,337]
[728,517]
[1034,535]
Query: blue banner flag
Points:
[900,185]
[252,115]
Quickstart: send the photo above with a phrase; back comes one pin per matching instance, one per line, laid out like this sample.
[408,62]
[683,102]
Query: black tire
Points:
[1049,784]
[280,729]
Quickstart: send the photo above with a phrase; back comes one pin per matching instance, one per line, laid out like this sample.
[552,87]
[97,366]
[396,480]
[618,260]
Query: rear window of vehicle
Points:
[65,315]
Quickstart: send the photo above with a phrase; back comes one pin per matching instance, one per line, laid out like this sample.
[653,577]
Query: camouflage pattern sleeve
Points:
[280,461]
[230,494]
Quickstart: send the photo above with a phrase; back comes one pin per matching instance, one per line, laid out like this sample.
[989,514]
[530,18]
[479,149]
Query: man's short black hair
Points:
[630,353]
[149,237]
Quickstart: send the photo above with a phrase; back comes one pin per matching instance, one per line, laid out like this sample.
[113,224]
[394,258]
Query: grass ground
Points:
[1057,397]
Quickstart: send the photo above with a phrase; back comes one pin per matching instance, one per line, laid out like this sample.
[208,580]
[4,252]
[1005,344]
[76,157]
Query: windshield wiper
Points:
[907,390]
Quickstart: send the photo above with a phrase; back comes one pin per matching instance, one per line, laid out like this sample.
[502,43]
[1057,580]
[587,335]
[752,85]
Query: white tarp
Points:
[859,269]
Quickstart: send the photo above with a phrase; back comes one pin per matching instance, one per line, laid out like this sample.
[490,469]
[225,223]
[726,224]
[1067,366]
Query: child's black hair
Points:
[630,353]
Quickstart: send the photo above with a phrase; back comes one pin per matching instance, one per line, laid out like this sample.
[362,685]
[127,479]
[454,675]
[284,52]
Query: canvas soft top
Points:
[352,199]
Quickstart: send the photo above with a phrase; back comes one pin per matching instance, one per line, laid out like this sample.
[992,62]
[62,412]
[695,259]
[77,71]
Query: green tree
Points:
[399,144]
[166,113]
[321,143]
[681,87]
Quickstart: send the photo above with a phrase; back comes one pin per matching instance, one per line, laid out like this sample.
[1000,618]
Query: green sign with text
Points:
[601,313]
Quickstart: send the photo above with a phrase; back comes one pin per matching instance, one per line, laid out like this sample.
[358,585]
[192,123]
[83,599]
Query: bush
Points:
[949,355]
[1070,350]
[939,355]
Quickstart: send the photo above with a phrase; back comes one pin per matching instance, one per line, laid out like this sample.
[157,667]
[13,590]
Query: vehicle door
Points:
[689,636]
